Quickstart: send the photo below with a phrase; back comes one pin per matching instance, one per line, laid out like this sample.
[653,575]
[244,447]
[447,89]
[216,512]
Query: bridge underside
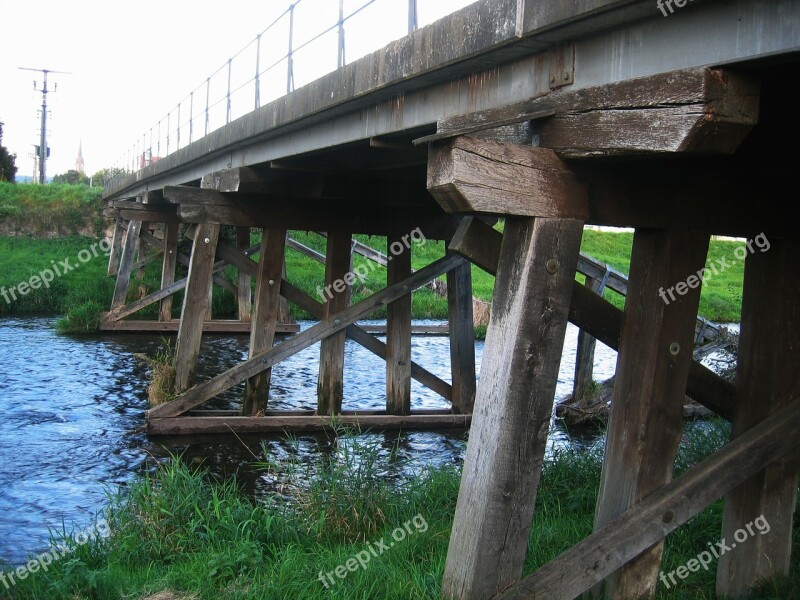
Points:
[677,155]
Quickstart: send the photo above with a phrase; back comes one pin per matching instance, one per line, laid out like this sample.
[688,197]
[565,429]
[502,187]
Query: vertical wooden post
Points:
[265,315]
[195,303]
[513,406]
[243,288]
[462,338]
[141,249]
[767,373]
[584,352]
[646,420]
[330,385]
[398,335]
[284,316]
[126,264]
[168,267]
[116,247]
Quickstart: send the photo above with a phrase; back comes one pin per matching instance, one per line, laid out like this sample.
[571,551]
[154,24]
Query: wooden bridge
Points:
[679,123]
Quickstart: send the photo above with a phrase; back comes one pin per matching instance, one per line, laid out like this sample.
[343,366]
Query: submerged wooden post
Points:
[462,338]
[244,293]
[265,315]
[126,265]
[116,247]
[338,278]
[168,267]
[195,303]
[398,334]
[584,352]
[767,377]
[646,419]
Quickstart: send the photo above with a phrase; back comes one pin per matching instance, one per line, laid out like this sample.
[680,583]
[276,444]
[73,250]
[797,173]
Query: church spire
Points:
[79,167]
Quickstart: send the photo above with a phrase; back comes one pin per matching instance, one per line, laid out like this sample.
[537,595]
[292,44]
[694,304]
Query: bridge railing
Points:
[309,39]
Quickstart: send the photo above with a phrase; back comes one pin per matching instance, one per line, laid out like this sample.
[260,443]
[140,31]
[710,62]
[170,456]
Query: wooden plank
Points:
[170,258]
[215,326]
[479,243]
[584,352]
[513,407]
[126,265]
[398,334]
[604,551]
[116,247]
[265,316]
[646,420]
[767,376]
[276,424]
[195,303]
[462,338]
[473,175]
[244,294]
[208,389]
[338,265]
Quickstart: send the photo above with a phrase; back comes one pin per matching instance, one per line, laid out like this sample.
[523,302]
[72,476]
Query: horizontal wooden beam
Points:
[474,175]
[276,424]
[215,326]
[623,539]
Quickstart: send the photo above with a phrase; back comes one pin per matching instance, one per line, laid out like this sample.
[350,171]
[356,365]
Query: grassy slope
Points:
[181,531]
[53,209]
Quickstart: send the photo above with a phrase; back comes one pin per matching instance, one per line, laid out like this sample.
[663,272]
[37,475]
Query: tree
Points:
[72,176]
[104,175]
[8,167]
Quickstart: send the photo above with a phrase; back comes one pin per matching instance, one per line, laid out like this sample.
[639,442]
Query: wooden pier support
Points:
[584,351]
[767,377]
[462,338]
[116,247]
[169,262]
[126,263]
[244,293]
[646,422]
[398,335]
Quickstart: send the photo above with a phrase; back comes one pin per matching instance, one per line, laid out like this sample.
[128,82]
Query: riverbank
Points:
[338,529]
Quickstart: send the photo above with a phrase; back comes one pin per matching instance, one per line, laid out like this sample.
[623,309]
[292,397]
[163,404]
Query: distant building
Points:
[79,166]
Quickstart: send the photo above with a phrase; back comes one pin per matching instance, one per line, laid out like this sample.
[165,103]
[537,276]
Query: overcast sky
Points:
[131,63]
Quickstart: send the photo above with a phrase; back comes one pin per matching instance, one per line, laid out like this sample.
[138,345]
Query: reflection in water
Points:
[73,408]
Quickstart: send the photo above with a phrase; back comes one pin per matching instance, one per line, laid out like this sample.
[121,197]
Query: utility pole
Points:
[43,133]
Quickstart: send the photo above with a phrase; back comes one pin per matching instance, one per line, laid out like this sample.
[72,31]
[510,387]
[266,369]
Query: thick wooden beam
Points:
[513,407]
[208,389]
[244,293]
[126,265]
[473,175]
[767,376]
[338,281]
[398,334]
[170,259]
[462,338]
[265,316]
[646,421]
[584,351]
[480,243]
[603,552]
[195,304]
[116,247]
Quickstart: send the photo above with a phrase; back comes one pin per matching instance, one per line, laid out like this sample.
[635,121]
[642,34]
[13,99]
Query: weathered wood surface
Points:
[280,424]
[480,243]
[126,265]
[767,377]
[462,338]
[195,304]
[646,422]
[513,406]
[168,264]
[208,389]
[244,293]
[584,351]
[116,247]
[215,326]
[473,175]
[707,111]
[265,316]
[398,335]
[603,552]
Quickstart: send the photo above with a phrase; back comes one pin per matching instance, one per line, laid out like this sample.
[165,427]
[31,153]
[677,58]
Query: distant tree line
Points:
[8,167]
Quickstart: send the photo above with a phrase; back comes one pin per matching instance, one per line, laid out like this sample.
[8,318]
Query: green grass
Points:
[184,530]
[53,209]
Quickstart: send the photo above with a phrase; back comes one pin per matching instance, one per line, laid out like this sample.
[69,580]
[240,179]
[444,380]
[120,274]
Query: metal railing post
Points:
[208,93]
[159,138]
[191,115]
[228,112]
[412,15]
[179,128]
[258,68]
[340,56]
[168,119]
[290,60]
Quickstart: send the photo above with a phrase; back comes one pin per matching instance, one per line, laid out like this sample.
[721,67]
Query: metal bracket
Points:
[562,66]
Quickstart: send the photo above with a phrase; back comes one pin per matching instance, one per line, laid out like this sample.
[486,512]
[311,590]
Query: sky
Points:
[131,64]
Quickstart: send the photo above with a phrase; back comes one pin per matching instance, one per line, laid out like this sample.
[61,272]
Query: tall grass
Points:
[51,210]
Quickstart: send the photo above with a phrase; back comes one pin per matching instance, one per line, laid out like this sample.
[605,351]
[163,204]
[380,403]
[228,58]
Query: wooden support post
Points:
[141,248]
[769,353]
[398,335]
[462,338]
[646,420]
[195,304]
[244,293]
[513,406]
[265,315]
[330,385]
[126,264]
[168,268]
[116,247]
[584,352]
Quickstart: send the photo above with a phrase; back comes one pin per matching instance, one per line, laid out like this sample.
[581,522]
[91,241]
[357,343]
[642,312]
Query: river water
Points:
[73,409]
